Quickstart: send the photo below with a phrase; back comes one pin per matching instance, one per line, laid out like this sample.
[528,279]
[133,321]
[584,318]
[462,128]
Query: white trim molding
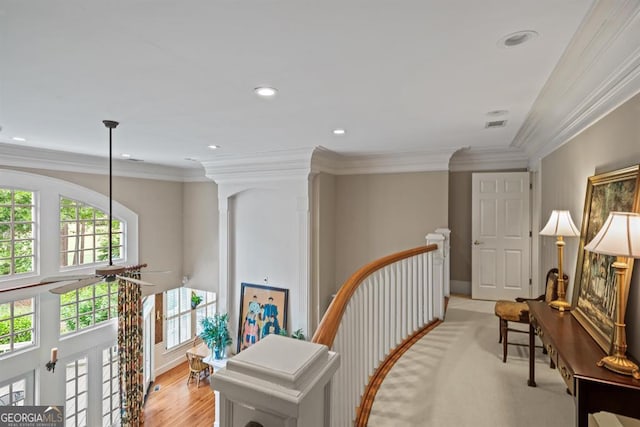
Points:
[269,166]
[40,158]
[300,163]
[599,71]
[488,158]
[325,160]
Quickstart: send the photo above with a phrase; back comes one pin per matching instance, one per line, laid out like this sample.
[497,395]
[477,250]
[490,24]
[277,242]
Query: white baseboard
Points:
[169,365]
[461,287]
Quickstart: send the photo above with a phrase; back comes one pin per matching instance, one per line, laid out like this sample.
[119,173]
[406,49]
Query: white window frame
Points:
[110,387]
[93,236]
[12,332]
[27,397]
[207,307]
[75,394]
[34,228]
[184,309]
[111,292]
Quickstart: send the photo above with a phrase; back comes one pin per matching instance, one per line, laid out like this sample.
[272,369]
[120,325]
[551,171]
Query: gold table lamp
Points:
[560,224]
[620,237]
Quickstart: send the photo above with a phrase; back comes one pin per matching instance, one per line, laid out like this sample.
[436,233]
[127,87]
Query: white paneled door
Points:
[501,243]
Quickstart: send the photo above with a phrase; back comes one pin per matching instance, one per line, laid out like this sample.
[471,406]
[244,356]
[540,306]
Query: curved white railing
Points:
[381,305]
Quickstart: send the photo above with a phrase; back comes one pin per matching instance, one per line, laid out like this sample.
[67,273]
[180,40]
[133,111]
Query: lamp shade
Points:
[619,236]
[560,224]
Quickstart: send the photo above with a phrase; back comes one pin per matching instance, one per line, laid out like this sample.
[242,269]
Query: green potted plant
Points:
[298,334]
[215,333]
[195,300]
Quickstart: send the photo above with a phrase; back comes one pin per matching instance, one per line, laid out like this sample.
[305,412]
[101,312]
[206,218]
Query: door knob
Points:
[477,243]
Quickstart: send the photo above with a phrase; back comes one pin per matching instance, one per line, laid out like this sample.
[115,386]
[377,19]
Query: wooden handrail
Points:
[328,328]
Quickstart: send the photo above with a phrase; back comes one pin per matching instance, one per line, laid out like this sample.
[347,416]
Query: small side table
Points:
[217,364]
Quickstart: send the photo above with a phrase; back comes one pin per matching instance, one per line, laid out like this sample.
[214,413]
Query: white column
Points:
[217,366]
[304,261]
[223,255]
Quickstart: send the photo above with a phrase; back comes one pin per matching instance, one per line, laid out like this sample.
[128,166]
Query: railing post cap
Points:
[434,236]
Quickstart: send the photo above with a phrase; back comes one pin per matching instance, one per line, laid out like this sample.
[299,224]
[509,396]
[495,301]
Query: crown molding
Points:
[300,163]
[271,166]
[40,158]
[325,160]
[599,71]
[489,158]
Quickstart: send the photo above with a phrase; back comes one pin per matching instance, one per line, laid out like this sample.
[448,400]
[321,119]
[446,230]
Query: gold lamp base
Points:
[560,305]
[621,365]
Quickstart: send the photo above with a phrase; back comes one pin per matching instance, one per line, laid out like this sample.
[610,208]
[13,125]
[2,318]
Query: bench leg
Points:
[504,330]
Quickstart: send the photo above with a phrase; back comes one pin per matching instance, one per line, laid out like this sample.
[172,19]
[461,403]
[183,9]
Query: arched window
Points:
[84,234]
[50,227]
[64,224]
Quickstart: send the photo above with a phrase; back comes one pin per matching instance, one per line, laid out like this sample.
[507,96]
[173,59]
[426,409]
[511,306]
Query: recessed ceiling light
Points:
[125,155]
[214,147]
[518,38]
[339,131]
[19,139]
[265,91]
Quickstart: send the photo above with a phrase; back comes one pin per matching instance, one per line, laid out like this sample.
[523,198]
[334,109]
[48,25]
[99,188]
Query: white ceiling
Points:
[409,76]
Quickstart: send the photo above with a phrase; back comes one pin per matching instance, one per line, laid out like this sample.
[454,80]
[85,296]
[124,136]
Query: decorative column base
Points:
[621,365]
[560,305]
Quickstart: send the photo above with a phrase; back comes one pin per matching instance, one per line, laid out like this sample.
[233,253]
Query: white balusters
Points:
[388,306]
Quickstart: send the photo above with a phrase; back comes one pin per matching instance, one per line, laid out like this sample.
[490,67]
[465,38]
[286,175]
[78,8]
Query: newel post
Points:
[447,259]
[437,274]
[277,382]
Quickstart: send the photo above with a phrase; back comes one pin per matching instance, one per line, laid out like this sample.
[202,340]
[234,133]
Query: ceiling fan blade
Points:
[76,285]
[136,281]
[52,279]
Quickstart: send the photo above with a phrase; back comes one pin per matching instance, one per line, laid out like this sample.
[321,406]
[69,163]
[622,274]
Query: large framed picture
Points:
[263,311]
[594,290]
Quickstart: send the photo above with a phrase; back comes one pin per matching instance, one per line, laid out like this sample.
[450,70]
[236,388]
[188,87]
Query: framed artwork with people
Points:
[263,311]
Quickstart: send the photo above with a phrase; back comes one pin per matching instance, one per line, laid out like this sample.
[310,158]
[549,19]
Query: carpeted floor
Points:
[454,376]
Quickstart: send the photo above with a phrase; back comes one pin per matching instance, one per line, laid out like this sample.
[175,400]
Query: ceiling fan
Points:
[108,273]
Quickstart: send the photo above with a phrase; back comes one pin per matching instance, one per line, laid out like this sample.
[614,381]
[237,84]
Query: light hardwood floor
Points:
[175,404]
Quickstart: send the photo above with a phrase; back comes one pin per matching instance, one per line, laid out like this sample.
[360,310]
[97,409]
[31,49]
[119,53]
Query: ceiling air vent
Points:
[131,159]
[495,124]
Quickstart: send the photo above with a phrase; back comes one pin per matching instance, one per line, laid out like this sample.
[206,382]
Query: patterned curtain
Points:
[130,350]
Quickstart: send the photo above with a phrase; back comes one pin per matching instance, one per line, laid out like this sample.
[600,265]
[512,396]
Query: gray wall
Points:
[460,225]
[324,224]
[611,143]
[200,235]
[377,215]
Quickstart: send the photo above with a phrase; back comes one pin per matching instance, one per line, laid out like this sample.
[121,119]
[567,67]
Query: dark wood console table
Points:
[575,354]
